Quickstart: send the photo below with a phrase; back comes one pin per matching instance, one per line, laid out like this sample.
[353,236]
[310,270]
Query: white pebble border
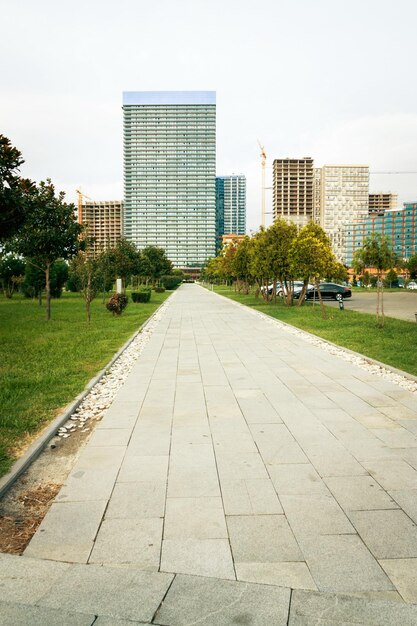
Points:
[102,394]
[346,355]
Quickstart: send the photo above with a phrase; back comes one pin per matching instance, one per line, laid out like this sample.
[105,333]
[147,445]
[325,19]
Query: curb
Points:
[37,446]
[368,359]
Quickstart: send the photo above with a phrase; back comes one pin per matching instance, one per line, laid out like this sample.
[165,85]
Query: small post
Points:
[342,304]
[119,288]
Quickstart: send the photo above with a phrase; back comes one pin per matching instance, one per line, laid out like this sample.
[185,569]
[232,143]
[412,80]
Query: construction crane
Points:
[263,162]
[81,195]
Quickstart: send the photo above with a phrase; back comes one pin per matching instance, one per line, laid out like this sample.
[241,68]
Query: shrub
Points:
[159,289]
[171,282]
[143,295]
[117,303]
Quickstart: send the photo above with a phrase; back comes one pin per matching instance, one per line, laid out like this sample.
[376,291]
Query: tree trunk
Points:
[382,304]
[303,293]
[323,310]
[48,292]
[88,298]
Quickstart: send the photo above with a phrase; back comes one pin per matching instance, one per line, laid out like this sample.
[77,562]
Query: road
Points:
[401,305]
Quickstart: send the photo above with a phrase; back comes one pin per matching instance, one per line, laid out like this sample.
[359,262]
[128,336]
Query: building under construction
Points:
[293,190]
[381,202]
[103,221]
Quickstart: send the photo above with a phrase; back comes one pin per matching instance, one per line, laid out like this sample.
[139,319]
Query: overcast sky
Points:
[330,79]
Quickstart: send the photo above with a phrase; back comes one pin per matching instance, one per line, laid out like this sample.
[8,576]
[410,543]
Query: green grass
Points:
[395,344]
[45,365]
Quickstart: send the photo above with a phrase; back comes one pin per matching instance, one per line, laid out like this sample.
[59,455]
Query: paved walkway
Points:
[238,452]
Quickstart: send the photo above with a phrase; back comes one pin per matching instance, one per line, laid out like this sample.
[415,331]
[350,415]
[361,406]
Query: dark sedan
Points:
[329,291]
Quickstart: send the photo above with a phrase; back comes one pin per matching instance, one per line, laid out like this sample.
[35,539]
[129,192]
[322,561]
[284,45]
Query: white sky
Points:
[330,79]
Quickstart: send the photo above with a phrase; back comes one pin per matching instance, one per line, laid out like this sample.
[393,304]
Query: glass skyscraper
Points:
[170,173]
[230,206]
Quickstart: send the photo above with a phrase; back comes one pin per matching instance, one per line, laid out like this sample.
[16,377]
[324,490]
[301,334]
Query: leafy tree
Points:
[412,266]
[14,190]
[376,253]
[86,274]
[12,270]
[241,264]
[49,232]
[34,280]
[390,278]
[312,258]
[154,263]
[366,279]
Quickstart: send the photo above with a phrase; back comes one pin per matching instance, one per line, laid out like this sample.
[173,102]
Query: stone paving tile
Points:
[396,437]
[23,615]
[403,573]
[389,534]
[121,414]
[144,469]
[256,407]
[113,592]
[133,500]
[407,500]
[334,460]
[296,479]
[110,437]
[194,600]
[237,465]
[310,608]
[295,575]
[343,564]
[315,514]
[195,518]
[392,474]
[199,557]
[399,412]
[67,532]
[26,580]
[85,485]
[356,493]
[129,541]
[276,444]
[262,539]
[250,497]
[98,458]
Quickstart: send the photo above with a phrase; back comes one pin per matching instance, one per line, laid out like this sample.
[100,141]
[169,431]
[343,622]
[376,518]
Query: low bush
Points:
[171,282]
[159,289]
[117,303]
[143,295]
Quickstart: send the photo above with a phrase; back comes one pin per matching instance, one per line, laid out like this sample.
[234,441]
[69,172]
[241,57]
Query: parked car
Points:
[270,288]
[330,291]
[412,285]
[297,289]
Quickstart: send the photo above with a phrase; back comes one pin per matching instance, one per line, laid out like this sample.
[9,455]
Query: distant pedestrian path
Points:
[238,451]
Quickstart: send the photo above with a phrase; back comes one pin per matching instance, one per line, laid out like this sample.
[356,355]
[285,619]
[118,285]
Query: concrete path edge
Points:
[38,445]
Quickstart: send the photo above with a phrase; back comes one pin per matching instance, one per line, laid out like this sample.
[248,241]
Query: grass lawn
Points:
[45,365]
[395,344]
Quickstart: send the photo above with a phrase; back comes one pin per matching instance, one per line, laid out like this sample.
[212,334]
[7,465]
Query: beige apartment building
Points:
[342,196]
[104,224]
[293,190]
[381,202]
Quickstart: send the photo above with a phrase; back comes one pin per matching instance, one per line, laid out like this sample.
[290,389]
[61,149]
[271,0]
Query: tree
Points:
[14,190]
[241,264]
[312,258]
[390,278]
[376,253]
[154,263]
[49,232]
[412,266]
[12,270]
[86,274]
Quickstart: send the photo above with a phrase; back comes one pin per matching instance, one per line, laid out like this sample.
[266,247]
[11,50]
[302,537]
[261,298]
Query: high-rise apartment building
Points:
[344,199]
[399,226]
[103,221]
[381,202]
[170,173]
[230,206]
[293,190]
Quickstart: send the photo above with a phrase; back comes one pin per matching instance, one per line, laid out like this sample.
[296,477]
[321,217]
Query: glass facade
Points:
[399,226]
[170,172]
[230,206]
